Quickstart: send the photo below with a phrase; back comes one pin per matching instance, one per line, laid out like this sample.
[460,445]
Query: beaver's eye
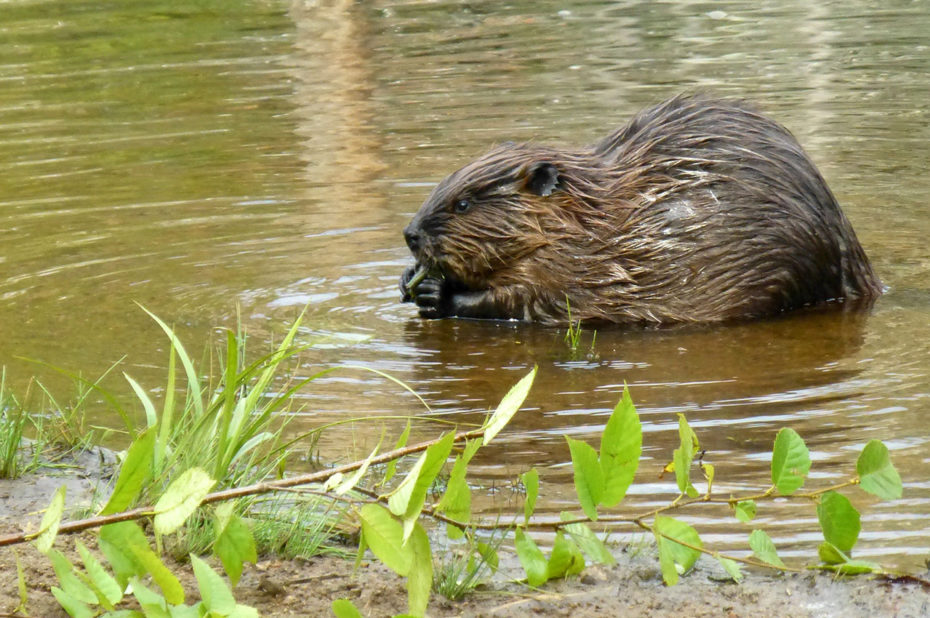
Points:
[462,206]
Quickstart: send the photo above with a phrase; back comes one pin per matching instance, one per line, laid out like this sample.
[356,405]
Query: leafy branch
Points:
[227,494]
[602,478]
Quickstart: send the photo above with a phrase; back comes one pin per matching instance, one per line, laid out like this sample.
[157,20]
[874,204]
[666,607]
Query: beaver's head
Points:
[484,218]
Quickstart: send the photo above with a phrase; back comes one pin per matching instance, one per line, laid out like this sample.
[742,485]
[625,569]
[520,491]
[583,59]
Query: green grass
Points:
[232,428]
[288,526]
[13,420]
[296,526]
[226,415]
[65,426]
[573,335]
[461,572]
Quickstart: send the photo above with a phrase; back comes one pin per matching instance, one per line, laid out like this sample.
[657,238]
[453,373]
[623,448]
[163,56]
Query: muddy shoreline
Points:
[633,587]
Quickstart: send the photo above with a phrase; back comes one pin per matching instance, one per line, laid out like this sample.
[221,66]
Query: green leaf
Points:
[745,510]
[181,499]
[234,543]
[420,577]
[21,586]
[333,481]
[353,479]
[153,604]
[471,447]
[791,461]
[133,474]
[839,520]
[489,555]
[877,475]
[74,607]
[223,513]
[590,544]
[71,584]
[681,462]
[127,548]
[114,542]
[362,548]
[391,467]
[407,501]
[764,549]
[454,532]
[456,501]
[401,496]
[566,558]
[684,455]
[48,529]
[621,448]
[344,608]
[831,554]
[509,406]
[837,561]
[532,559]
[195,611]
[854,567]
[530,480]
[708,470]
[674,558]
[106,588]
[731,567]
[216,595]
[589,477]
[384,536]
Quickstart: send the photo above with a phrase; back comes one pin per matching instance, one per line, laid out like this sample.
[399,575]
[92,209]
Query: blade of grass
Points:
[168,410]
[193,382]
[387,376]
[151,416]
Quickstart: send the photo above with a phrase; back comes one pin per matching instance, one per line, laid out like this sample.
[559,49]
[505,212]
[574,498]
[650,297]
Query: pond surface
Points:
[259,159]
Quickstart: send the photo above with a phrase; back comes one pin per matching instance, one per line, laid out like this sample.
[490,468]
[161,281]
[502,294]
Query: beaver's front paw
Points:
[405,293]
[431,298]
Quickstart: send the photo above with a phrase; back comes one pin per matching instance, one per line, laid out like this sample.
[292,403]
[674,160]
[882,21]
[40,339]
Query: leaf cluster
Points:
[132,566]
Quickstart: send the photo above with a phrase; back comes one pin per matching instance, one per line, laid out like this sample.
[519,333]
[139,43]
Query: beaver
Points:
[698,210]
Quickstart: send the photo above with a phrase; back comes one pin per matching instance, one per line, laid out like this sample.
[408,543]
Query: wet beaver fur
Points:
[698,210]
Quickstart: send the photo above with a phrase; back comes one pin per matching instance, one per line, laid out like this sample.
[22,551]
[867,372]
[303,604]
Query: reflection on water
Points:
[267,156]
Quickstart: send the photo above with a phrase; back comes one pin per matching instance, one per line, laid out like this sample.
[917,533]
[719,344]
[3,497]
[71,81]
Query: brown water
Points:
[266,156]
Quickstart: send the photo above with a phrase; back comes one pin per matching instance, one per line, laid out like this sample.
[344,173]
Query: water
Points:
[265,157]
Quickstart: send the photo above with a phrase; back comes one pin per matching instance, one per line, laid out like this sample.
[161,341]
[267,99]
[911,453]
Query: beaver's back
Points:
[734,217]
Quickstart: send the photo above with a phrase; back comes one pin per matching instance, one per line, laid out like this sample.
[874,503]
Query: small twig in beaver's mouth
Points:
[423,271]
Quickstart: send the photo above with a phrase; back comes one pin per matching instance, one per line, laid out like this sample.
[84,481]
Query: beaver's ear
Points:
[542,179]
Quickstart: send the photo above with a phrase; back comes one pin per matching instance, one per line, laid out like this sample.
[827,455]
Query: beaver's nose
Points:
[412,236]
